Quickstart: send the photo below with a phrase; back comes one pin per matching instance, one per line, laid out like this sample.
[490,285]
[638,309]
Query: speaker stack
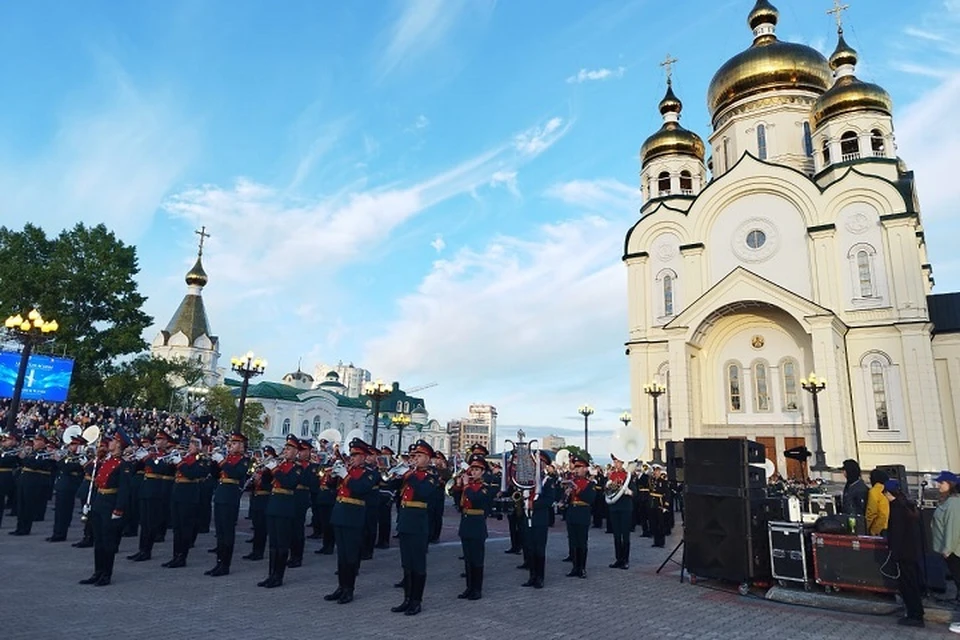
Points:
[725,529]
[675,462]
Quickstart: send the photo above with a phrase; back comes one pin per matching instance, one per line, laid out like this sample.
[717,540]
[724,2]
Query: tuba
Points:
[629,443]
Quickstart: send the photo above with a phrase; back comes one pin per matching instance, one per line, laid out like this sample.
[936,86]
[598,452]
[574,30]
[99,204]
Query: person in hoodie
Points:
[903,539]
[878,508]
[854,500]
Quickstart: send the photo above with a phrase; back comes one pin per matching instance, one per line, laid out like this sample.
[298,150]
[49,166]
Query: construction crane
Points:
[421,387]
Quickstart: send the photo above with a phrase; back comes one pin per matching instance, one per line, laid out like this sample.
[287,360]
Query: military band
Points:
[421,484]
[474,499]
[69,478]
[282,511]
[231,476]
[620,484]
[581,492]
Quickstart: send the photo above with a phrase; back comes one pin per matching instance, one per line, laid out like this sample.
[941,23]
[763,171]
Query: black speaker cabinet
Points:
[724,539]
[897,472]
[675,461]
[724,462]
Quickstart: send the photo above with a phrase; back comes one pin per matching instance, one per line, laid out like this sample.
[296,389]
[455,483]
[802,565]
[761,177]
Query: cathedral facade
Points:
[796,246]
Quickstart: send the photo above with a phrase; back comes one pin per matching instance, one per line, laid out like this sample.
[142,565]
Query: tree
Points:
[578,451]
[221,404]
[148,382]
[83,278]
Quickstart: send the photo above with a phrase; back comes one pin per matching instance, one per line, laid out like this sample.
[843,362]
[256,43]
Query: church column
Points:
[681,394]
[836,411]
[638,279]
[823,252]
[693,277]
[922,402]
[904,260]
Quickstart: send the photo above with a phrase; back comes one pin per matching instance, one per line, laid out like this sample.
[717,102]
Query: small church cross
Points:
[837,12]
[203,236]
[668,66]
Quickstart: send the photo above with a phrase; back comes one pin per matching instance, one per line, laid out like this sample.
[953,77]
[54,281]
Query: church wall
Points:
[946,353]
[858,233]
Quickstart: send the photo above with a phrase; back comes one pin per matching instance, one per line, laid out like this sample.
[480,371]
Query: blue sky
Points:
[436,190]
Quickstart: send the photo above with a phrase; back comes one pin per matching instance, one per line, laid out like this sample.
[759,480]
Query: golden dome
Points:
[671,139]
[197,276]
[844,54]
[768,65]
[849,94]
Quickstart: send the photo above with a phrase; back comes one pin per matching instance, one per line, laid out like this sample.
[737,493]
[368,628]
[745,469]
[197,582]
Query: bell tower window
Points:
[826,152]
[686,183]
[663,183]
[762,141]
[877,144]
[807,140]
[849,146]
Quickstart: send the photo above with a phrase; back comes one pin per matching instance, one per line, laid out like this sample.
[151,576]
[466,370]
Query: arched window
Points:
[762,141]
[726,154]
[663,407]
[286,426]
[686,183]
[399,406]
[788,375]
[878,384]
[863,274]
[877,143]
[826,152]
[849,146]
[305,429]
[761,386]
[668,295]
[807,140]
[316,425]
[663,184]
[734,389]
[406,407]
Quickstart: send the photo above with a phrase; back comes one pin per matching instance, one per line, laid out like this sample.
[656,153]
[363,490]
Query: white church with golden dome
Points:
[795,245]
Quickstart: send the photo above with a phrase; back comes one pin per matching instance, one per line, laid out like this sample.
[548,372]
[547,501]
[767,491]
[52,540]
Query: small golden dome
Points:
[849,95]
[768,65]
[197,276]
[844,54]
[671,139]
[670,103]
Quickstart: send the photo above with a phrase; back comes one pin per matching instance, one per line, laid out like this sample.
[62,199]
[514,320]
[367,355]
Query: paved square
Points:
[41,598]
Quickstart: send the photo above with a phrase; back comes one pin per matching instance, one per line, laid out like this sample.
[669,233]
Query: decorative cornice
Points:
[638,254]
[692,247]
[821,228]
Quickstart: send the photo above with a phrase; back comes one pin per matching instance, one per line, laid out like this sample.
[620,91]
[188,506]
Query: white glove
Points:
[114,516]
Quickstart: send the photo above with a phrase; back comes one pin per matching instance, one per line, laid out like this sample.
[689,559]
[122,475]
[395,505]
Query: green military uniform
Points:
[535,528]
[583,493]
[476,498]
[420,487]
[226,505]
[621,517]
[111,498]
[281,514]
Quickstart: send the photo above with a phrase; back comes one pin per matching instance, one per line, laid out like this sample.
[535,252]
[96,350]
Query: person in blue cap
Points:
[903,539]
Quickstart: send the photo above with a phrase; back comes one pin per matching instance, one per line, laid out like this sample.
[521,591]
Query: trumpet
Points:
[397,471]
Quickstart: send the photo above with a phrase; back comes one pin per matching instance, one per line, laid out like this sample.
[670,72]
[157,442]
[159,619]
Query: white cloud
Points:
[588,75]
[921,70]
[507,179]
[598,196]
[438,244]
[422,122]
[113,161]
[924,34]
[536,140]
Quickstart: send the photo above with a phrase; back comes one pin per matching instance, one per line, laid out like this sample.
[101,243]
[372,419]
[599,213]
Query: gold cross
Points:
[837,12]
[668,66]
[203,236]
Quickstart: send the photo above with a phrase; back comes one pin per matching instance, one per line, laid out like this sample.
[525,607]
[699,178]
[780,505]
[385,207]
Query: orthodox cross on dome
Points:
[202,232]
[837,12]
[668,67]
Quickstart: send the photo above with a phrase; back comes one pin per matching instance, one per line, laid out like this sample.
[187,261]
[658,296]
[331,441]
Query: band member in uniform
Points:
[9,463]
[385,507]
[85,493]
[476,498]
[302,495]
[152,492]
[439,498]
[282,511]
[106,514]
[36,472]
[643,500]
[323,506]
[131,518]
[185,503]
[536,527]
[620,513]
[581,493]
[369,538]
[659,505]
[226,501]
[349,518]
[260,488]
[69,477]
[208,483]
[420,486]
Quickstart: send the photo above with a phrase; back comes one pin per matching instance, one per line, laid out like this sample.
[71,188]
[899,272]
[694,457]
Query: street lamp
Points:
[655,390]
[401,421]
[586,411]
[246,366]
[376,391]
[625,419]
[814,386]
[29,332]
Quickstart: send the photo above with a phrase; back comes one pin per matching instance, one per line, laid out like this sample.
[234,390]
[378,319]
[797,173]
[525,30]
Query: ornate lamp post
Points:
[655,390]
[586,411]
[625,419]
[814,386]
[29,331]
[246,367]
[376,391]
[401,421]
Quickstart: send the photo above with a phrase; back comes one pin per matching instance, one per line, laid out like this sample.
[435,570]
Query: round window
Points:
[756,239]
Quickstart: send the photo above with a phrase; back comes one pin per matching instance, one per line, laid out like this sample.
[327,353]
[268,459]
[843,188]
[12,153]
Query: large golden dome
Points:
[768,65]
[849,94]
[671,139]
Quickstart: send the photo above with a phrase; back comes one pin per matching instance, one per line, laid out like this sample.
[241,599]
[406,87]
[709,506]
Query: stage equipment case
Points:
[852,563]
[790,554]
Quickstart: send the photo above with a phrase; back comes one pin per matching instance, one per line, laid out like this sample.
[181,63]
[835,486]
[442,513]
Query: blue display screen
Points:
[47,378]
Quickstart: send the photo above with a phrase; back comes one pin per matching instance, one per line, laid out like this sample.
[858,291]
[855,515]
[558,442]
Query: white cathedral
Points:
[797,247]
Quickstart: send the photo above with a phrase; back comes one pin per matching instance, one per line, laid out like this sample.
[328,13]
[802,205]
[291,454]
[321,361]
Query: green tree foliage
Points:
[578,451]
[84,279]
[221,404]
[148,383]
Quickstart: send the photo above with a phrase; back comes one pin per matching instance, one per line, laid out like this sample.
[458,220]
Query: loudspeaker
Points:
[897,472]
[724,462]
[724,539]
[675,461]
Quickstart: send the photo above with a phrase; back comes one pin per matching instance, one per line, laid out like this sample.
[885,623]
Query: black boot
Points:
[332,597]
[583,563]
[178,561]
[273,566]
[296,554]
[108,559]
[226,557]
[407,587]
[468,573]
[532,578]
[280,568]
[350,582]
[218,566]
[477,592]
[417,580]
[618,552]
[625,558]
[541,565]
[526,560]
[97,569]
[575,569]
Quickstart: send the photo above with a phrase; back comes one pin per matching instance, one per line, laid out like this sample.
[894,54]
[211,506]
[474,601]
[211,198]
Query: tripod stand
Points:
[683,559]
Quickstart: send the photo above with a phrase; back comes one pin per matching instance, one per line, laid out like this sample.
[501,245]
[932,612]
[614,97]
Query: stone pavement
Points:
[40,598]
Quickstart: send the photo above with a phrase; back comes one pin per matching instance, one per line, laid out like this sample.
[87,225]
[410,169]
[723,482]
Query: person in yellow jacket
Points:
[878,507]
